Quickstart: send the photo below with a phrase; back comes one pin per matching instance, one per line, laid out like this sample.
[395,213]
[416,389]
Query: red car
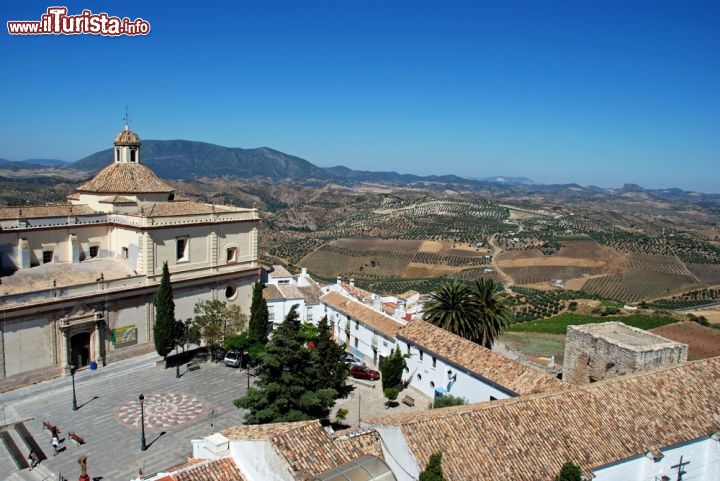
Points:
[364,372]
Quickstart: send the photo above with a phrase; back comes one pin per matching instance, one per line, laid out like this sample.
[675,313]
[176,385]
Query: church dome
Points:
[127,137]
[125,178]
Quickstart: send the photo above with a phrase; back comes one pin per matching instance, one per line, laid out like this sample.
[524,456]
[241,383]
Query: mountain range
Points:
[185,159]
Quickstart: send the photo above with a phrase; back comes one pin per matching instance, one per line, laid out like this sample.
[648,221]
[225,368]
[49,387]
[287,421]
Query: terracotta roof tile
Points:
[357,293]
[306,447]
[528,438]
[311,293]
[358,311]
[181,207]
[260,431]
[125,178]
[280,271]
[219,470]
[116,199]
[57,210]
[511,375]
[272,293]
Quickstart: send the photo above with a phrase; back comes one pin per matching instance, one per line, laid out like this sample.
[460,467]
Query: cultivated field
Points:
[703,342]
[643,277]
[575,259]
[559,324]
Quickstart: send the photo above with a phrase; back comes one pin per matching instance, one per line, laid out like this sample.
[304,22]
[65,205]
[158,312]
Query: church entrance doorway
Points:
[80,349]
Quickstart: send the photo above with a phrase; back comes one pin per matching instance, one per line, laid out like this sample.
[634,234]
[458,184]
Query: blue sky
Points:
[593,92]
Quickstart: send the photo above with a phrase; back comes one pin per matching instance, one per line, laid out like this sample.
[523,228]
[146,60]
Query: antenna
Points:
[126,119]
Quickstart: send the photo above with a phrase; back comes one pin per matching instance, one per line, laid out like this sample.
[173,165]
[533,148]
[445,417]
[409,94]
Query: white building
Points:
[284,290]
[441,363]
[78,280]
[366,332]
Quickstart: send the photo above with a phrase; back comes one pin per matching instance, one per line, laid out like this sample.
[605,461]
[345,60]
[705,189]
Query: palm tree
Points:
[489,305]
[475,312]
[450,307]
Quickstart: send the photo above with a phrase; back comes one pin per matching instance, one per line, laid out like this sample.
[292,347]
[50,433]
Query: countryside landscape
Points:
[565,254]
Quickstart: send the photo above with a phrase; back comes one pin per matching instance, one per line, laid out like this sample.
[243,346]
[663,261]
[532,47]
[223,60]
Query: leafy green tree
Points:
[391,394]
[329,360]
[433,469]
[309,331]
[447,401]
[477,312]
[569,472]
[392,370]
[259,314]
[165,331]
[286,389]
[215,319]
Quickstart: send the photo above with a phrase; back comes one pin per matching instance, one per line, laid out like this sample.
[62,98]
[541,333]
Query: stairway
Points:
[19,444]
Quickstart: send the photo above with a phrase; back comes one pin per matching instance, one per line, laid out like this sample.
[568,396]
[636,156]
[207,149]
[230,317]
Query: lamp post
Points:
[72,375]
[143,446]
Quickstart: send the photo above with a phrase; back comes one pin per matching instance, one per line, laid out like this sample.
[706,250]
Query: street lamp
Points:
[143,446]
[72,375]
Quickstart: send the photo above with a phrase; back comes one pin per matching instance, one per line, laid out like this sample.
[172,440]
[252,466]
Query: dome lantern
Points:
[127,146]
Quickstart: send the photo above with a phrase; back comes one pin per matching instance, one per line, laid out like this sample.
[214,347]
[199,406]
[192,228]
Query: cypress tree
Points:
[433,470]
[259,315]
[165,330]
[392,370]
[331,368]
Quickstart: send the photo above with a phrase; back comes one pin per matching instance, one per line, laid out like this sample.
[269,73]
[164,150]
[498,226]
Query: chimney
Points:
[400,309]
[339,280]
[303,272]
[377,303]
[352,282]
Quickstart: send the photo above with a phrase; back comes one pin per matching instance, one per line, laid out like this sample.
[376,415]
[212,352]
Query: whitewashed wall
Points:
[364,335]
[258,461]
[703,455]
[423,376]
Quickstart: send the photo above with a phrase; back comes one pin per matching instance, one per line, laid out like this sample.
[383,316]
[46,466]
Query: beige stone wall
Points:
[591,357]
[207,245]
[27,344]
[57,240]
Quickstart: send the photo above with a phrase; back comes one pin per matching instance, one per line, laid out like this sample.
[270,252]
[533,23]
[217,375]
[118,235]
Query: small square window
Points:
[309,315]
[181,249]
[271,314]
[124,252]
[357,324]
[231,255]
[356,343]
[421,355]
[94,251]
[434,362]
[47,257]
[408,348]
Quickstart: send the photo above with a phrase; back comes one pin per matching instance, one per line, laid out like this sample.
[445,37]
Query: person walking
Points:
[55,444]
[32,459]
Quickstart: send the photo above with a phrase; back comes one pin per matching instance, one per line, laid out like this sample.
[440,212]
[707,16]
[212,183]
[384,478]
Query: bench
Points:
[77,440]
[193,366]
[51,427]
[409,401]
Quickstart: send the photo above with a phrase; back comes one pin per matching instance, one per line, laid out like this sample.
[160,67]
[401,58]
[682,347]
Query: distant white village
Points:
[77,290]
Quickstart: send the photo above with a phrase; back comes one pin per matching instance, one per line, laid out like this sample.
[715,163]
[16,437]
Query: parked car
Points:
[352,360]
[363,372]
[233,359]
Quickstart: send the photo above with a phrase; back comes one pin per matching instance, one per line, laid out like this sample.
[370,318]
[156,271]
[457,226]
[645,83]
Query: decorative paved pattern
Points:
[162,410]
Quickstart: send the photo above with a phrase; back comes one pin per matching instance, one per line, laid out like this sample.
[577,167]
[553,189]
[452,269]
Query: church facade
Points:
[79,279]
